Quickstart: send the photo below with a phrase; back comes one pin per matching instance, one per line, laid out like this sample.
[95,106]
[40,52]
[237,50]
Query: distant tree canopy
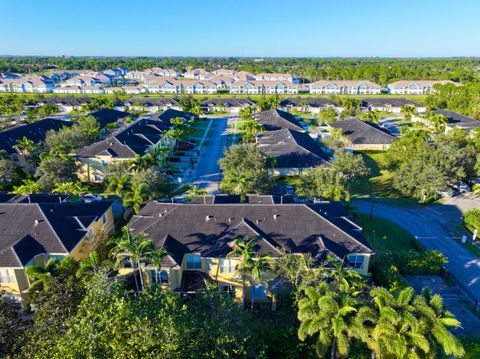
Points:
[381,71]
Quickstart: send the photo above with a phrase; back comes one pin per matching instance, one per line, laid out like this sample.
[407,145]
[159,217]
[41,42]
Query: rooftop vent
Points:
[207,218]
[275,216]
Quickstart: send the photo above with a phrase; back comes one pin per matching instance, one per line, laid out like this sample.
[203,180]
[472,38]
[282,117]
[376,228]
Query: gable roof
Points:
[29,229]
[388,101]
[128,141]
[233,198]
[67,101]
[273,120]
[363,132]
[291,149]
[107,115]
[227,102]
[208,229]
[166,116]
[151,101]
[311,101]
[35,131]
[456,119]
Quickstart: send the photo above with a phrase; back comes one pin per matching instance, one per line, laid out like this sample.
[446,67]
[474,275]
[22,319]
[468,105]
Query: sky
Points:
[244,28]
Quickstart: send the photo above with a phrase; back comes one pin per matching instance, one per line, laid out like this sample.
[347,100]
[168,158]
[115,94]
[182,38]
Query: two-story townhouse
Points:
[308,104]
[345,87]
[166,85]
[247,87]
[393,105]
[32,233]
[40,84]
[66,104]
[124,144]
[276,77]
[148,104]
[199,237]
[198,74]
[198,87]
[416,87]
[279,87]
[230,105]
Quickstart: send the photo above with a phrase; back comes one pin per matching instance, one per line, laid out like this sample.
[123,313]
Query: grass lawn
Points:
[288,181]
[385,235]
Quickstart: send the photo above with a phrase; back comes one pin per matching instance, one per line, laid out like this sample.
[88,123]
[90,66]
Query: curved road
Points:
[433,225]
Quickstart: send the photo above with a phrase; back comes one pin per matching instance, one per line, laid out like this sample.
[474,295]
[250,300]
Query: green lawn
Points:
[385,235]
[288,181]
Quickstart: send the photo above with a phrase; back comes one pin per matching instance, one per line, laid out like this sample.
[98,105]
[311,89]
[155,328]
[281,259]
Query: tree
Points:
[25,145]
[437,121]
[137,247]
[261,264]
[72,188]
[323,182]
[88,265]
[55,168]
[245,170]
[7,170]
[136,196]
[80,134]
[248,111]
[351,166]
[250,129]
[12,328]
[195,191]
[370,116]
[40,275]
[243,252]
[472,219]
[29,186]
[181,129]
[350,107]
[329,315]
[328,115]
[408,111]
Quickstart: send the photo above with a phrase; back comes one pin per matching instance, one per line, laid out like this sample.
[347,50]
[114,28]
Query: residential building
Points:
[35,131]
[39,84]
[308,104]
[198,87]
[388,104]
[273,77]
[198,74]
[66,104]
[230,105]
[168,114]
[457,120]
[264,87]
[345,87]
[123,144]
[33,233]
[167,85]
[274,120]
[416,87]
[293,151]
[198,238]
[149,104]
[107,116]
[362,135]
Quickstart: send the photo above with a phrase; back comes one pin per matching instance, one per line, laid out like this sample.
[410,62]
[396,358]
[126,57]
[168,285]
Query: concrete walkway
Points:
[433,226]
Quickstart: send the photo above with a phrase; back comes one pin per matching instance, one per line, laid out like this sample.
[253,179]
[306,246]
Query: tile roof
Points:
[209,229]
[127,141]
[342,83]
[35,131]
[387,101]
[422,83]
[273,120]
[312,102]
[362,132]
[151,101]
[292,149]
[227,102]
[29,229]
[67,101]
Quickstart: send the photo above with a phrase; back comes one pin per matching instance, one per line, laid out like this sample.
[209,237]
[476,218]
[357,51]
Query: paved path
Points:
[433,226]
[207,173]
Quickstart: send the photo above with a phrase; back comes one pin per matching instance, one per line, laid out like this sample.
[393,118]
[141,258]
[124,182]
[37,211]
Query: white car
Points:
[89,197]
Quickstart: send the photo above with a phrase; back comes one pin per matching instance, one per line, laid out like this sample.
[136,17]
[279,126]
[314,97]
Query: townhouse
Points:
[345,87]
[66,104]
[393,105]
[293,151]
[35,131]
[39,84]
[36,231]
[269,77]
[457,120]
[136,138]
[362,135]
[308,104]
[149,104]
[263,87]
[230,105]
[416,87]
[198,74]
[199,236]
[274,120]
[175,86]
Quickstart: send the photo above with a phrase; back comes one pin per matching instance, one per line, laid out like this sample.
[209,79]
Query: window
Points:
[159,276]
[228,290]
[356,261]
[5,276]
[227,266]
[194,262]
[259,291]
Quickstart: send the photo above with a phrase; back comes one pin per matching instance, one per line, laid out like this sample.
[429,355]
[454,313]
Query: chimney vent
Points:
[275,216]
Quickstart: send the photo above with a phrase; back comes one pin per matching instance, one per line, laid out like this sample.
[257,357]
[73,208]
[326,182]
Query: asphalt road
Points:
[207,172]
[433,226]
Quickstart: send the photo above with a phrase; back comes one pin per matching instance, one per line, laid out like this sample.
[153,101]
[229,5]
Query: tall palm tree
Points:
[39,275]
[437,121]
[118,186]
[29,186]
[195,191]
[136,197]
[250,129]
[243,252]
[155,258]
[138,247]
[260,265]
[25,145]
[328,314]
[160,154]
[408,111]
[89,264]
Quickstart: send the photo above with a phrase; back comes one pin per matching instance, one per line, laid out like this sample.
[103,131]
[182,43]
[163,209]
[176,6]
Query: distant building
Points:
[345,87]
[457,120]
[230,105]
[416,87]
[388,104]
[308,104]
[274,120]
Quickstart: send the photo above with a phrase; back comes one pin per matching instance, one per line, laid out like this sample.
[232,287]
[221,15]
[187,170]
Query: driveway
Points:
[206,173]
[433,226]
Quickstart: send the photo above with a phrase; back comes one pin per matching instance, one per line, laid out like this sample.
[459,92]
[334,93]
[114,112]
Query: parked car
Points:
[90,197]
[463,187]
[290,189]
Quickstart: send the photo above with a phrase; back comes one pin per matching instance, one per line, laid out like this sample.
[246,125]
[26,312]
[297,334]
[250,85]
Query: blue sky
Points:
[263,28]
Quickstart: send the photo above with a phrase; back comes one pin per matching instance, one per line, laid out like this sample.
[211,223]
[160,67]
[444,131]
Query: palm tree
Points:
[29,186]
[195,191]
[328,314]
[73,188]
[118,186]
[250,129]
[243,252]
[138,247]
[260,265]
[136,197]
[408,111]
[248,111]
[39,275]
[89,264]
[155,258]
[25,145]
[160,154]
[437,121]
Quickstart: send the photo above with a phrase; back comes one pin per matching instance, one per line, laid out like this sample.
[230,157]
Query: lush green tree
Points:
[328,115]
[7,170]
[28,186]
[82,133]
[12,328]
[350,107]
[250,128]
[350,165]
[371,116]
[323,182]
[248,111]
[72,188]
[408,111]
[195,191]
[136,196]
[53,169]
[40,275]
[245,170]
[472,219]
[244,252]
